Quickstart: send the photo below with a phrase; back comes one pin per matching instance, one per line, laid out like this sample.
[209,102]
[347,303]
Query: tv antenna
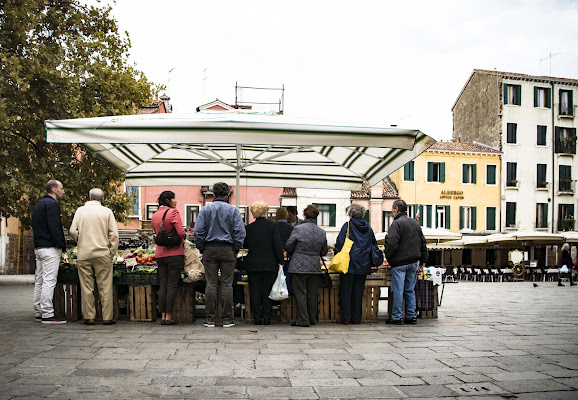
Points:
[546,58]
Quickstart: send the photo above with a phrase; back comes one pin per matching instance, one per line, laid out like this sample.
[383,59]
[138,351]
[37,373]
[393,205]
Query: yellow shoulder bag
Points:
[340,261]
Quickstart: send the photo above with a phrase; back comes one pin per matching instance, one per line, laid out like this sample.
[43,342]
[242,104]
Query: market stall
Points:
[238,147]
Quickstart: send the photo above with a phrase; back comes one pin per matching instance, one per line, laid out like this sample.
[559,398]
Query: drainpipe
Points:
[553,130]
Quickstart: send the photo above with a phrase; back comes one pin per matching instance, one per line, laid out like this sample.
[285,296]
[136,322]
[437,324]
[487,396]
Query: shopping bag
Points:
[424,295]
[340,262]
[564,269]
[279,290]
[194,268]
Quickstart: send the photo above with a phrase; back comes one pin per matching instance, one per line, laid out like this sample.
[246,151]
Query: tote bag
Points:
[340,262]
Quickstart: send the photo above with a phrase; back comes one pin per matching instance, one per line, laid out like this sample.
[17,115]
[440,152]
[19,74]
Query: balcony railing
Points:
[566,225]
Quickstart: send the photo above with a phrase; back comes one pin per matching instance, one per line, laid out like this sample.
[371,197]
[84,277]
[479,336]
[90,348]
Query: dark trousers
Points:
[218,259]
[260,284]
[351,288]
[169,270]
[305,287]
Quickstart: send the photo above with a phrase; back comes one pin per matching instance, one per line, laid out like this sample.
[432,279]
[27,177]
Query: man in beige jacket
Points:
[94,230]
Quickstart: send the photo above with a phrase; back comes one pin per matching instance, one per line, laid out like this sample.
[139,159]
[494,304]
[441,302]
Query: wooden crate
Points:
[184,308]
[142,303]
[328,305]
[66,301]
[115,303]
[379,278]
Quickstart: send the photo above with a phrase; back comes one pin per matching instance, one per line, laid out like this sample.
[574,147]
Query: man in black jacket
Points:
[405,250]
[49,247]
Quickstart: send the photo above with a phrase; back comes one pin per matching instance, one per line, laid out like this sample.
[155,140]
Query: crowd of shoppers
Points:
[294,244]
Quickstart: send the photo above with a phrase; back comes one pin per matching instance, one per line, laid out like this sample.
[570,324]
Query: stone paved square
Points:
[507,340]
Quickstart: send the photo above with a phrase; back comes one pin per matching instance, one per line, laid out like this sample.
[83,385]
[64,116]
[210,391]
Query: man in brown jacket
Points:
[94,230]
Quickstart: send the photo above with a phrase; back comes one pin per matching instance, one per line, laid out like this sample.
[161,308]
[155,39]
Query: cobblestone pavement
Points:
[491,341]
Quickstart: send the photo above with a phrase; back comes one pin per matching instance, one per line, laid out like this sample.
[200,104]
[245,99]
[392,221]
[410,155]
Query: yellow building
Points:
[454,186]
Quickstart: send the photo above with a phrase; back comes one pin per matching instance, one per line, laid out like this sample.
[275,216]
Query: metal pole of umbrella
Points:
[238,177]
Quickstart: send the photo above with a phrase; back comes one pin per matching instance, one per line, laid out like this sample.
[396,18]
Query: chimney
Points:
[459,139]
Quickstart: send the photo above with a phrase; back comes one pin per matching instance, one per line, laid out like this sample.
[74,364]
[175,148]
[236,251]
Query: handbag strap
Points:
[163,221]
[325,265]
[347,236]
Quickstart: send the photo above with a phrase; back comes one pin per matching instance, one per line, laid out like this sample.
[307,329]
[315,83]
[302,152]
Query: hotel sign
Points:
[452,194]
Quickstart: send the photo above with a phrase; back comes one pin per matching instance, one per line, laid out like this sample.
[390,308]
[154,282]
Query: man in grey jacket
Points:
[219,234]
[405,250]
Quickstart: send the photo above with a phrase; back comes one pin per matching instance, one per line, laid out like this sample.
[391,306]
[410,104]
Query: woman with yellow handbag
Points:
[355,241]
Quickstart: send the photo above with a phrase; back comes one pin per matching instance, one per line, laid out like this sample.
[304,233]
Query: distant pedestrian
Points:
[405,251]
[352,284]
[170,260]
[94,230]
[219,235]
[292,218]
[49,248]
[566,261]
[262,262]
[306,245]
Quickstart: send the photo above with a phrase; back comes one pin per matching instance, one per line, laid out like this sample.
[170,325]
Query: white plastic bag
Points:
[564,269]
[279,290]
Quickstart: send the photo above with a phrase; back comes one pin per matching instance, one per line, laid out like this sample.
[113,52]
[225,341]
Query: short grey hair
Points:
[96,194]
[356,211]
[565,246]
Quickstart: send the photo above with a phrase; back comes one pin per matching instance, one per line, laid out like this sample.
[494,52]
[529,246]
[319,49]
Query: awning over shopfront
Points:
[431,235]
[240,148]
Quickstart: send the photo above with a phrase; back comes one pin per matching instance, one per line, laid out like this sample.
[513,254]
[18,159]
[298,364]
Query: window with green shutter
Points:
[511,131]
[428,216]
[542,97]
[326,215]
[542,215]
[436,172]
[409,171]
[541,135]
[566,103]
[510,215]
[491,172]
[541,180]
[512,94]
[468,173]
[490,218]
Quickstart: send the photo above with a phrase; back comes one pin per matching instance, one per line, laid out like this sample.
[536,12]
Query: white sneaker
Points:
[209,323]
[228,324]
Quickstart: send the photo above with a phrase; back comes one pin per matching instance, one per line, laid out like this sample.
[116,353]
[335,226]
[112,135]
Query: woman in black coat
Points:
[262,261]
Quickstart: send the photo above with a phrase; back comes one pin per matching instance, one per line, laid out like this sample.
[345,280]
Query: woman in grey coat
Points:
[306,245]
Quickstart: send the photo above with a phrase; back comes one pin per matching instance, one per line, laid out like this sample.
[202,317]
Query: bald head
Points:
[96,194]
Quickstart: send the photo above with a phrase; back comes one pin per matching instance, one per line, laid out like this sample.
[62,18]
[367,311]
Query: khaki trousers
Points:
[101,269]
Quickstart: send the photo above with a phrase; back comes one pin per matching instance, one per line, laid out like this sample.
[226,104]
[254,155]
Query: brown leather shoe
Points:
[111,322]
[88,322]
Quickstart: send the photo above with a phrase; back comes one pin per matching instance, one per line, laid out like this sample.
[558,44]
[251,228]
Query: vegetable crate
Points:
[380,278]
[184,308]
[139,278]
[115,303]
[67,301]
[142,305]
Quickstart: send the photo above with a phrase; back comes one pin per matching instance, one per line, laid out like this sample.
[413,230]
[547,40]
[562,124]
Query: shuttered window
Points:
[491,172]
[541,181]
[436,172]
[409,171]
[511,132]
[490,218]
[541,135]
[512,94]
[510,215]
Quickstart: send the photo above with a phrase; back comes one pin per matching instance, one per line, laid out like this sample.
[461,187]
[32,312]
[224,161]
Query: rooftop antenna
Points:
[169,85]
[204,79]
[546,58]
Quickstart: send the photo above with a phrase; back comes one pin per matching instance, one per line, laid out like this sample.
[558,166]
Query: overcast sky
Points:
[370,62]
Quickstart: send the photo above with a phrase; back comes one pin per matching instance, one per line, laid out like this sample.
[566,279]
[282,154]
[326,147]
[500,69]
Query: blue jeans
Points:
[402,287]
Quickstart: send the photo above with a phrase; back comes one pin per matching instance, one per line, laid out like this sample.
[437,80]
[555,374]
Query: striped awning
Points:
[257,149]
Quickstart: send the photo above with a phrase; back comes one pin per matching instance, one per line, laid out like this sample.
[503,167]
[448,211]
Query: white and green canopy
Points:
[247,149]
